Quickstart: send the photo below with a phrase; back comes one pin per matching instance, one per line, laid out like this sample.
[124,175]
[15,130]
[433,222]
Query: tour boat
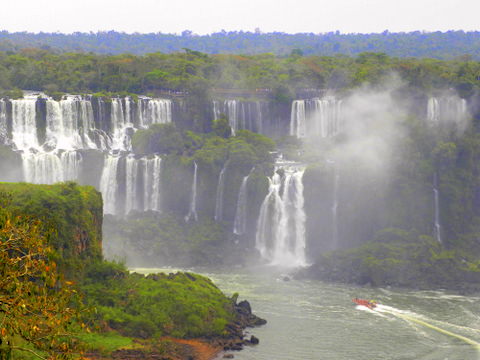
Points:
[371,304]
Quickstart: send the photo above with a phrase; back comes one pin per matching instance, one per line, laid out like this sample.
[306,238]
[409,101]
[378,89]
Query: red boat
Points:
[368,303]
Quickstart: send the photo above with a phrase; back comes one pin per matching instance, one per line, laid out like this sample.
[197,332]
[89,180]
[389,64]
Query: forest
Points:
[440,45]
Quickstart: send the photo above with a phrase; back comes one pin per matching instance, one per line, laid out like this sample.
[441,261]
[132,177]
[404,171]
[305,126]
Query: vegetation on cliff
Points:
[42,310]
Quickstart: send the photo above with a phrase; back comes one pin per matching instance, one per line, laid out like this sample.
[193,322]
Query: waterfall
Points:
[192,212]
[433,110]
[436,201]
[231,106]
[131,173]
[154,111]
[280,234]
[42,168]
[151,183]
[24,125]
[219,195]
[70,162]
[109,184]
[241,115]
[324,113]
[3,122]
[297,119]
[316,117]
[240,222]
[448,109]
[69,122]
[160,111]
[216,110]
[120,137]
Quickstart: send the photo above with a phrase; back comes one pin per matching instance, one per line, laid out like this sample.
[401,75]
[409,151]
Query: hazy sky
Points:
[207,16]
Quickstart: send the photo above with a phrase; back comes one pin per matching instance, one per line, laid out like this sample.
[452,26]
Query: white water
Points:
[316,117]
[298,119]
[280,236]
[109,184]
[69,122]
[448,109]
[192,212]
[240,114]
[70,127]
[3,122]
[240,222]
[131,169]
[151,183]
[219,194]
[24,126]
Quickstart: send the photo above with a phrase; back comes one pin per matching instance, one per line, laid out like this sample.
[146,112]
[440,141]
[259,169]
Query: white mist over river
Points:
[313,320]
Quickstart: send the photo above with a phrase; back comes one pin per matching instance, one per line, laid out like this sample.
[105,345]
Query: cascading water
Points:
[3,122]
[449,109]
[436,200]
[433,110]
[192,212]
[70,162]
[240,222]
[280,234]
[109,184]
[24,125]
[298,119]
[70,126]
[131,173]
[42,168]
[316,117]
[231,106]
[69,122]
[219,195]
[241,115]
[151,183]
[120,128]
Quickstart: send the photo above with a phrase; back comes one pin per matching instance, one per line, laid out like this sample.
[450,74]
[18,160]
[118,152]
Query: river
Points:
[313,320]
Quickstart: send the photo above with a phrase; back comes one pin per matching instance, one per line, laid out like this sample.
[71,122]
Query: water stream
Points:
[313,320]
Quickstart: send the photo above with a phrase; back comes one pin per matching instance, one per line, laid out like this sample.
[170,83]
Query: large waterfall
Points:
[51,135]
[280,234]
[316,117]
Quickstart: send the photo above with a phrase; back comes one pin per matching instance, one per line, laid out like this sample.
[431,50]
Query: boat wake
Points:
[414,318]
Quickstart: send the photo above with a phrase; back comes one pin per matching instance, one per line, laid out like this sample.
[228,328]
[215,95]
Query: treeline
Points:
[198,74]
[440,45]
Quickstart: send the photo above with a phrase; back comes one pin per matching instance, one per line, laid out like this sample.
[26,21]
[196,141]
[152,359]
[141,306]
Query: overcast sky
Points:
[207,16]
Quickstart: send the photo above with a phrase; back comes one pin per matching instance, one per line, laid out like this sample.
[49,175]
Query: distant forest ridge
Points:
[441,45]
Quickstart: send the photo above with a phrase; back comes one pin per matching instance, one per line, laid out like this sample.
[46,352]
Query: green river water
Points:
[314,320]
